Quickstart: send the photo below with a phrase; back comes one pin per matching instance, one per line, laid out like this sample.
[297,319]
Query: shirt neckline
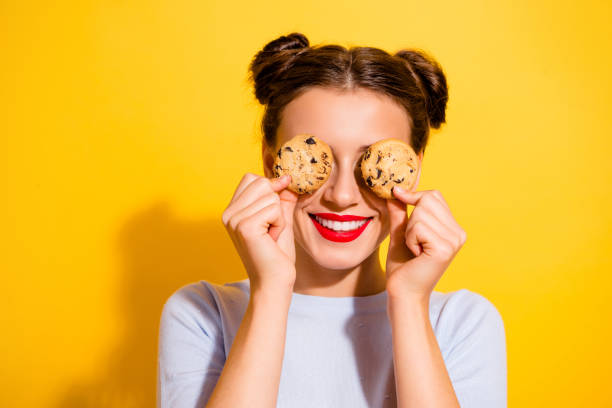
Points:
[343,304]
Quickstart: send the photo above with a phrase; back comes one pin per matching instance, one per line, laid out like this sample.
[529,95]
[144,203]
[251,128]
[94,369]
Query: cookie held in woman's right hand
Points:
[307,160]
[389,163]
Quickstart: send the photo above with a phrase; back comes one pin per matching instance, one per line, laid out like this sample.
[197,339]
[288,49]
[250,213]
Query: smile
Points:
[339,228]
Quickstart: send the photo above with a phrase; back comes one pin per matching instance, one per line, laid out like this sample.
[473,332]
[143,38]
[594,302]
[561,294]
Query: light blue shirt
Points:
[338,350]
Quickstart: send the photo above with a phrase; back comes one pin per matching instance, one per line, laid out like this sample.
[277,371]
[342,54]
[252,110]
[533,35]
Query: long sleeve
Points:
[191,353]
[475,350]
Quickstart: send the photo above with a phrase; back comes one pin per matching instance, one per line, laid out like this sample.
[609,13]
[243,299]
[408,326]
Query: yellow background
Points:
[116,118]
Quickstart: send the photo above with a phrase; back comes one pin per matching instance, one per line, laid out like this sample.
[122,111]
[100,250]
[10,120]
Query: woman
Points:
[320,323]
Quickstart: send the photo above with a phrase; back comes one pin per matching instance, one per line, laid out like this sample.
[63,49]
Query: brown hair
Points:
[288,66]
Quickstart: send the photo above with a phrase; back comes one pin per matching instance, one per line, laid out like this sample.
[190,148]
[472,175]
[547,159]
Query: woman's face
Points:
[348,121]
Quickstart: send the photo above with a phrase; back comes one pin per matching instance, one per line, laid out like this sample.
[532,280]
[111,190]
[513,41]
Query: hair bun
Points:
[293,41]
[431,79]
[268,66]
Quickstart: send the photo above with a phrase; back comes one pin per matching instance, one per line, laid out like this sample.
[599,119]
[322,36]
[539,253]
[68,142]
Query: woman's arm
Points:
[421,247]
[421,379]
[251,375]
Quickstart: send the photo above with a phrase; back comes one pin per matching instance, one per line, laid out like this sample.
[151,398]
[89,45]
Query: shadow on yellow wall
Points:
[160,253]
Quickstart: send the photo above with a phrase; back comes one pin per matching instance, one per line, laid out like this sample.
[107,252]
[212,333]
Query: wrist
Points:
[407,299]
[273,290]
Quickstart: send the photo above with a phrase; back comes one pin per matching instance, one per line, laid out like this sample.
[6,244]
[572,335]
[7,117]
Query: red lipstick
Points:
[339,236]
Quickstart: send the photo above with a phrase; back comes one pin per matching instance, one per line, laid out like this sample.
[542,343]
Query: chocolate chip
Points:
[411,170]
[309,182]
[289,149]
[367,155]
[384,182]
[379,172]
[279,153]
[320,178]
[310,140]
[313,160]
[278,167]
[324,155]
[369,181]
[300,190]
[377,160]
[399,180]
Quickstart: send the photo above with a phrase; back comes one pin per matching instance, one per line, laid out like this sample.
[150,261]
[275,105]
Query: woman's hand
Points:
[259,220]
[420,247]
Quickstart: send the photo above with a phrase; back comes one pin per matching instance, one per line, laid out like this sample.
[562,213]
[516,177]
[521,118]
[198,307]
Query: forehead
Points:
[344,119]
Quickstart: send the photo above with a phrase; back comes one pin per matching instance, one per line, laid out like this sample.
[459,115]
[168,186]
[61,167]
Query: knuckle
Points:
[247,178]
[446,250]
[418,226]
[242,227]
[437,193]
[233,225]
[274,198]
[429,198]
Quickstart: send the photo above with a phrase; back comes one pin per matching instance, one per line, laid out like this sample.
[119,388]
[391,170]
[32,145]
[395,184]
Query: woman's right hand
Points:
[259,220]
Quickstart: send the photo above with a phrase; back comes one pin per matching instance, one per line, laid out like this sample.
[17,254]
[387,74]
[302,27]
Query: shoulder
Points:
[463,312]
[205,304]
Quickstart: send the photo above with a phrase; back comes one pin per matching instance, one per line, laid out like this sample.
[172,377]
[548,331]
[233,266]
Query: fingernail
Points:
[398,189]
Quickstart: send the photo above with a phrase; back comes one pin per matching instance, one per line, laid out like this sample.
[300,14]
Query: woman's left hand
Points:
[420,247]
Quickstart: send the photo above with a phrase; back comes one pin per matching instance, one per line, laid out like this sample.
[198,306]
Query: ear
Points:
[420,157]
[267,155]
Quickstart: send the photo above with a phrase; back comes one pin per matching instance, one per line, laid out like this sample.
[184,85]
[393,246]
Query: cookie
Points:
[308,161]
[388,163]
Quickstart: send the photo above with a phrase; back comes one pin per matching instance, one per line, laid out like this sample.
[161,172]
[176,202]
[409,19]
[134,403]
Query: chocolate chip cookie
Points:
[308,161]
[388,163]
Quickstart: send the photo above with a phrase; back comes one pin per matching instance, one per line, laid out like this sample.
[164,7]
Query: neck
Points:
[365,279]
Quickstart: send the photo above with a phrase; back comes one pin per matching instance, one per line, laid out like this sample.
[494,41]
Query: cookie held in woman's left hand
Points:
[307,160]
[388,163]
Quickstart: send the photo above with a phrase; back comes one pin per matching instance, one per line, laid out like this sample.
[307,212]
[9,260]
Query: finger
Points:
[438,195]
[407,197]
[421,236]
[421,214]
[253,208]
[247,179]
[255,190]
[397,252]
[288,200]
[257,225]
[431,204]
[280,183]
[397,219]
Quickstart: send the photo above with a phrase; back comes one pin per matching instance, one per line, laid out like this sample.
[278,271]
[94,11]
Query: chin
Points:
[336,259]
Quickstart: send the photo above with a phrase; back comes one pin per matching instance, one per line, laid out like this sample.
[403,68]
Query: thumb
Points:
[398,219]
[397,243]
[288,200]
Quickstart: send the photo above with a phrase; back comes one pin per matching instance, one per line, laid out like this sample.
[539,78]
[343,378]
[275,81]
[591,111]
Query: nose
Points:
[342,189]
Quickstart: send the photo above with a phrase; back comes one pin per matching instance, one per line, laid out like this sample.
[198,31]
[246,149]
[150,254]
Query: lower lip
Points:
[339,236]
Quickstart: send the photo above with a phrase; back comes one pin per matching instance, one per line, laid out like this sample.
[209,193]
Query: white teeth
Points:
[340,225]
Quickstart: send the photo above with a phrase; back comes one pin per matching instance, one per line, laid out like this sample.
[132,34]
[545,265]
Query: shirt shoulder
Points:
[471,335]
[211,308]
[461,311]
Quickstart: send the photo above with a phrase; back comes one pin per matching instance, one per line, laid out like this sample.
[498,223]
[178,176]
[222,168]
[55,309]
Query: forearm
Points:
[421,379]
[251,374]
